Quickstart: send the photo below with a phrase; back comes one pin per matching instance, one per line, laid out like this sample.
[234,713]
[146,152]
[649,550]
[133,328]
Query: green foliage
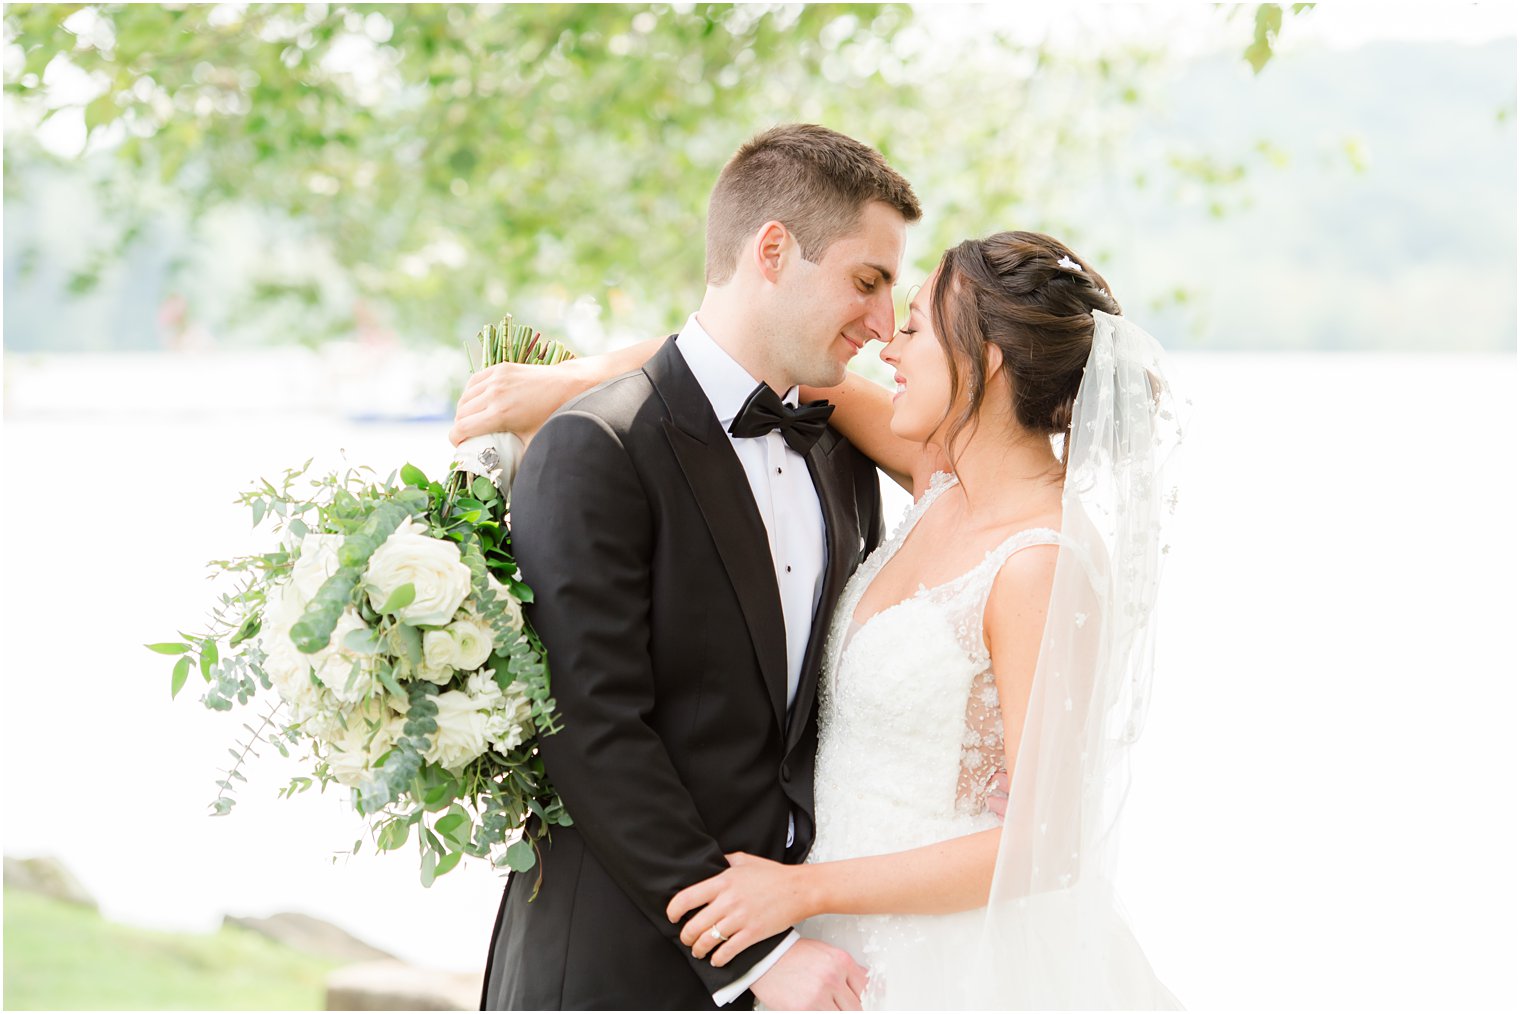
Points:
[1268,26]
[446,150]
[62,956]
[545,152]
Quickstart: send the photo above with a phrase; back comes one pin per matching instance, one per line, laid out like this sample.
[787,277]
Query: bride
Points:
[1006,625]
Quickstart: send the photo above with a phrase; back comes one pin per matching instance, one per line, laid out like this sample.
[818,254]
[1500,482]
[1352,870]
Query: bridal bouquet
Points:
[386,634]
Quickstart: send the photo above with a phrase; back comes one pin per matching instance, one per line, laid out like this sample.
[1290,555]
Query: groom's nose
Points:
[881,316]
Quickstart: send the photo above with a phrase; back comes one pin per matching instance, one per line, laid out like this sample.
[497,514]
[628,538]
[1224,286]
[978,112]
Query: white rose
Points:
[348,674]
[325,726]
[461,735]
[472,644]
[438,649]
[318,561]
[511,722]
[431,566]
[355,752]
[289,669]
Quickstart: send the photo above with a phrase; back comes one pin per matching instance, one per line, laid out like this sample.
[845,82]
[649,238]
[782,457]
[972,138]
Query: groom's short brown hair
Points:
[813,180]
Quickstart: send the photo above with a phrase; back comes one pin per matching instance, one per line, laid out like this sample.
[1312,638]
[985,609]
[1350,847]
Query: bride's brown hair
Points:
[1030,296]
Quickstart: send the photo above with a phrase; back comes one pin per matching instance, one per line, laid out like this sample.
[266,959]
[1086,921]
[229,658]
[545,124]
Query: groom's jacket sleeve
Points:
[582,534]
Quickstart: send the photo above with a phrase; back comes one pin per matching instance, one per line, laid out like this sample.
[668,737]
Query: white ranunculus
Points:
[511,722]
[472,644]
[461,735]
[348,674]
[317,562]
[439,674]
[438,649]
[431,566]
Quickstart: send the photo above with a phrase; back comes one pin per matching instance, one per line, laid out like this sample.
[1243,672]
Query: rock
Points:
[393,985]
[311,935]
[46,875]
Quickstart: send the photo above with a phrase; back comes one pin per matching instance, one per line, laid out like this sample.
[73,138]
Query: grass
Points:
[60,956]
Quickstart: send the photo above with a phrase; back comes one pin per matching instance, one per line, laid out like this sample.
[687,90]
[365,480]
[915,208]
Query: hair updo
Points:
[1030,296]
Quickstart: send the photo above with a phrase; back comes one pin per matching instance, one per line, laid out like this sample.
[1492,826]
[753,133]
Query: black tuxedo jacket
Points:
[656,598]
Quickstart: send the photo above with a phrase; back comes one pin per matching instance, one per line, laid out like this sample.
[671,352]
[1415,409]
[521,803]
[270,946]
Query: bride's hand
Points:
[513,398]
[753,899]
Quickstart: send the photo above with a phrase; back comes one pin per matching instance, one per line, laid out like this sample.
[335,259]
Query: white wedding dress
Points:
[909,736]
[910,729]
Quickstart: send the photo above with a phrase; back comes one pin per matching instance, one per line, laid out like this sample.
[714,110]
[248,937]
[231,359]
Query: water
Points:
[1324,810]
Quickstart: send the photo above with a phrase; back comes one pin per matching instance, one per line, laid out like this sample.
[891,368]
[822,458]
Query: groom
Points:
[687,531]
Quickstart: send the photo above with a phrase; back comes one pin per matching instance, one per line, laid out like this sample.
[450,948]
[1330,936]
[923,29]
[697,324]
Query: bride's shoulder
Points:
[1020,596]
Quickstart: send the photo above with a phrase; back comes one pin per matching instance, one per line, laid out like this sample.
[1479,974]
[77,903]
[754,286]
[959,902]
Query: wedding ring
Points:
[716,935]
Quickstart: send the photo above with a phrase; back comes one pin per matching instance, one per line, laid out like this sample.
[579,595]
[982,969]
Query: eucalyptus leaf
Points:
[393,835]
[403,596]
[177,682]
[168,648]
[447,863]
[520,856]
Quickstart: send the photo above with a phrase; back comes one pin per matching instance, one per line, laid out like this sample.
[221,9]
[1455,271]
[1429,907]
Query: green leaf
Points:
[250,626]
[361,641]
[412,476]
[168,648]
[101,110]
[429,867]
[520,856]
[181,670]
[409,639]
[483,489]
[449,823]
[388,679]
[394,835]
[399,599]
[209,657]
[439,796]
[447,863]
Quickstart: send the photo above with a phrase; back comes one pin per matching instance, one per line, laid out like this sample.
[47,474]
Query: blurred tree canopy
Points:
[457,160]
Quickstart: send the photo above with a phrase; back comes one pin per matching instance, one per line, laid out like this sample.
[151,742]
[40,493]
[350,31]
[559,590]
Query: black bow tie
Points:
[764,411]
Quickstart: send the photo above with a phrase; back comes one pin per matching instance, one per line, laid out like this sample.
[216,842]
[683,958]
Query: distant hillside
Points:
[60,956]
[1414,251]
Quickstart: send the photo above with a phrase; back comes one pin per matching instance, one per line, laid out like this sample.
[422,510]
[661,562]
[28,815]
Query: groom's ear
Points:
[770,248]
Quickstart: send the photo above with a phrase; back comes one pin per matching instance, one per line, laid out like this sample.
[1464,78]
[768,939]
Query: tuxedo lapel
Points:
[843,540]
[722,492]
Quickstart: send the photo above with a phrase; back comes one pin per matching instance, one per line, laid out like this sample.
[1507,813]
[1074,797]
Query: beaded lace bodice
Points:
[910,731]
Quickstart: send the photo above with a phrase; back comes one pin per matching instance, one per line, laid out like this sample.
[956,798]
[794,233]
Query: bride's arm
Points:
[756,898]
[863,413]
[514,398]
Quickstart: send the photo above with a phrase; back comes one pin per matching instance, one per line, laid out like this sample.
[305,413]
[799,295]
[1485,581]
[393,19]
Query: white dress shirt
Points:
[789,507]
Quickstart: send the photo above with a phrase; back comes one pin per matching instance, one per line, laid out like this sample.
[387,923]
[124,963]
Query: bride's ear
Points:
[994,360]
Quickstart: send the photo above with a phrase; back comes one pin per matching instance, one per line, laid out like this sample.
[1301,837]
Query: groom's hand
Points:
[812,976]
